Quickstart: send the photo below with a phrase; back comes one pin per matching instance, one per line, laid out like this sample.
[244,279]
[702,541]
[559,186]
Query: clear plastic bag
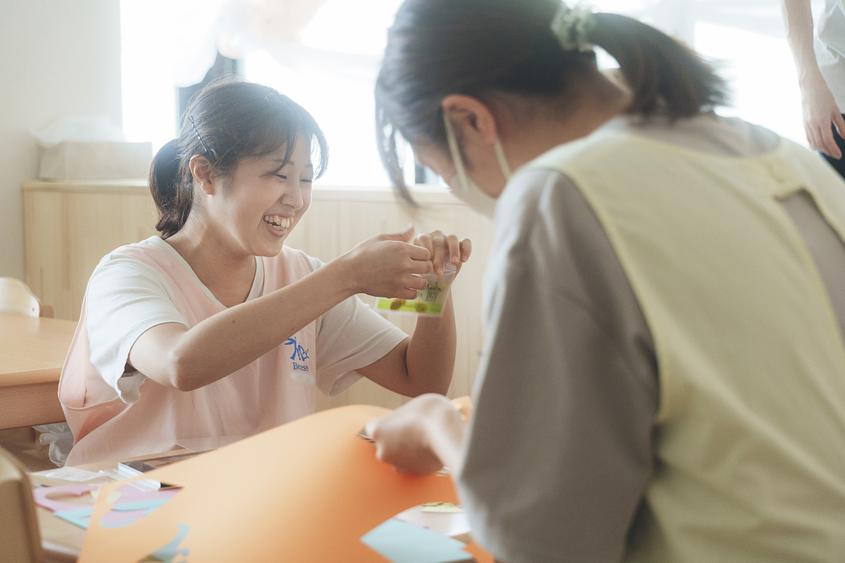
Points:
[60,439]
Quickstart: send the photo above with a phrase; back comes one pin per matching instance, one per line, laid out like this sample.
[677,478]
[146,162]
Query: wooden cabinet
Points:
[69,227]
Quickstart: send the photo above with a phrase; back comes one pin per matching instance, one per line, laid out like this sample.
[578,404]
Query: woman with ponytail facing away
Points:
[663,378]
[215,328]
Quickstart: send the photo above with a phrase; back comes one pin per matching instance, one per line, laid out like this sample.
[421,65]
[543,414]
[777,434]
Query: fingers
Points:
[414,282]
[828,143]
[440,250]
[424,240]
[402,236]
[406,293]
[810,132]
[454,249]
[420,267]
[371,428]
[417,252]
[466,249]
[839,123]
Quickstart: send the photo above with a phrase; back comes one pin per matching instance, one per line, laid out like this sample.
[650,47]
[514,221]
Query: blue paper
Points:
[80,517]
[142,504]
[173,548]
[403,542]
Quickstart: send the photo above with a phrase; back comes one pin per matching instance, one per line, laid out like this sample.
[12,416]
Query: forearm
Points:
[430,356]
[799,32]
[230,340]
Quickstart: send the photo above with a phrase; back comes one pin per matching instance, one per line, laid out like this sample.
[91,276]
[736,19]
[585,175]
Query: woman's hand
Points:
[820,115]
[388,265]
[419,437]
[445,249]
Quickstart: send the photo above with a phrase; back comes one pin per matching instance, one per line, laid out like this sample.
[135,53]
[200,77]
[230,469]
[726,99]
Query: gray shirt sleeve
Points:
[559,449]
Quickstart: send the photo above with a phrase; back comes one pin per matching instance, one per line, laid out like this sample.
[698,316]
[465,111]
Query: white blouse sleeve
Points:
[124,299]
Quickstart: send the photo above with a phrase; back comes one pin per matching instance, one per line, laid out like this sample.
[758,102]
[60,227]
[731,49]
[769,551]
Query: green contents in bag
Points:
[429,301]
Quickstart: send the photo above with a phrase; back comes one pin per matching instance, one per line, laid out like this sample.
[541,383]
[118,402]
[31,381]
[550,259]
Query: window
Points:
[329,66]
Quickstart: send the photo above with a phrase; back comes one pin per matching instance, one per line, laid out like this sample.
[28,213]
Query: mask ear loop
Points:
[454,151]
[503,162]
[459,162]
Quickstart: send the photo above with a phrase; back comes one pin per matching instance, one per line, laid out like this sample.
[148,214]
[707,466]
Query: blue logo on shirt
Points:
[299,353]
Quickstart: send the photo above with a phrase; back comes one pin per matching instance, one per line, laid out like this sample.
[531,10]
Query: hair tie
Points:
[571,26]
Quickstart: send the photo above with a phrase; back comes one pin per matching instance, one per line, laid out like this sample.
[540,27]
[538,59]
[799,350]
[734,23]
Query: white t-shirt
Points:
[125,298]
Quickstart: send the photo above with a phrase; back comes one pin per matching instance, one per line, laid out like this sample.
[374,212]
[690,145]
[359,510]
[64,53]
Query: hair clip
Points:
[208,151]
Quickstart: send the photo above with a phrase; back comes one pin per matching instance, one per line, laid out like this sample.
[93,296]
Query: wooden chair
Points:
[18,525]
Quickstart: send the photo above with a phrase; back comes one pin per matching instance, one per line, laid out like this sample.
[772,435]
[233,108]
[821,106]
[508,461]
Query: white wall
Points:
[57,58]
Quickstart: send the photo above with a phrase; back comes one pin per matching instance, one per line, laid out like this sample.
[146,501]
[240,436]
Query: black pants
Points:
[838,165]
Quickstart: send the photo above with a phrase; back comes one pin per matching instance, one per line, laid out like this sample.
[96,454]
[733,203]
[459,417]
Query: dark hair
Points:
[226,122]
[482,48]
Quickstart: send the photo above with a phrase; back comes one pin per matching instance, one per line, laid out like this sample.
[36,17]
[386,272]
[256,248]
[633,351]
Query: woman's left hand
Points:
[445,249]
[407,438]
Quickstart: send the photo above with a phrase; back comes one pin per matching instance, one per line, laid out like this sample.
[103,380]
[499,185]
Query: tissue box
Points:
[72,160]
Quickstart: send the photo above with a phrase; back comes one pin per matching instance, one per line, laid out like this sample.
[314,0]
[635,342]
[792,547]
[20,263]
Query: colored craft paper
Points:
[448,523]
[173,549]
[80,517]
[70,474]
[129,507]
[48,497]
[305,491]
[402,542]
[448,507]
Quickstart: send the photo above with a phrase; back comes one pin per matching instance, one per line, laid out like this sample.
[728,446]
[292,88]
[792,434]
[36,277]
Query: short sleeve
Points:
[350,336]
[124,299]
[558,453]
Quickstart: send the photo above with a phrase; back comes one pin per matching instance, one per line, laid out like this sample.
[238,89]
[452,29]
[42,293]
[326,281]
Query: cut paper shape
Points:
[80,517]
[131,507]
[402,542]
[70,474]
[304,491]
[447,507]
[173,549]
[48,497]
[448,523]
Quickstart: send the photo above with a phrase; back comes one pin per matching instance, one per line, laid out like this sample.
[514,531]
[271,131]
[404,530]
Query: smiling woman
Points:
[216,327]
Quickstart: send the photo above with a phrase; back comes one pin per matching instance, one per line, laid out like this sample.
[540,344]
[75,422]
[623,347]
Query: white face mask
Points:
[462,185]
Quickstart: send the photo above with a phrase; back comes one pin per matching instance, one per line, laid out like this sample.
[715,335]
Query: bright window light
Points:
[330,69]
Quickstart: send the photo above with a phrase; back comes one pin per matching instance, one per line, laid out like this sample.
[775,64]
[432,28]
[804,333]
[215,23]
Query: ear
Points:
[471,116]
[202,173]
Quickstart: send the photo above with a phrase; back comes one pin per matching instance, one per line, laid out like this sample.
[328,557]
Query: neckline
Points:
[255,290]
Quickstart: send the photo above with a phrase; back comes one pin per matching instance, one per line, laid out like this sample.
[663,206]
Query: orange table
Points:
[32,351]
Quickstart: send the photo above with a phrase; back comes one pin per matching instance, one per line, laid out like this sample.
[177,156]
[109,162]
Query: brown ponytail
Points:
[225,122]
[664,76]
[172,197]
[485,47]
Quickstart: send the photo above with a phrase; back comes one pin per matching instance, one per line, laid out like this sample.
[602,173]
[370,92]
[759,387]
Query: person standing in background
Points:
[821,74]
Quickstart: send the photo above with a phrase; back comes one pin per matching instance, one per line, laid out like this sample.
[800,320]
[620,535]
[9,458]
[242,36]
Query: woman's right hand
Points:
[388,265]
[821,114]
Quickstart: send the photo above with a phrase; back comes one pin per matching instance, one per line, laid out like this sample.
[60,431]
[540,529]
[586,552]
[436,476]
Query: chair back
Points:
[17,298]
[18,524]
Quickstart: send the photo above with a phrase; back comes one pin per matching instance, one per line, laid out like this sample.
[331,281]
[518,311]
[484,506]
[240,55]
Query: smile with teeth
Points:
[278,221]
